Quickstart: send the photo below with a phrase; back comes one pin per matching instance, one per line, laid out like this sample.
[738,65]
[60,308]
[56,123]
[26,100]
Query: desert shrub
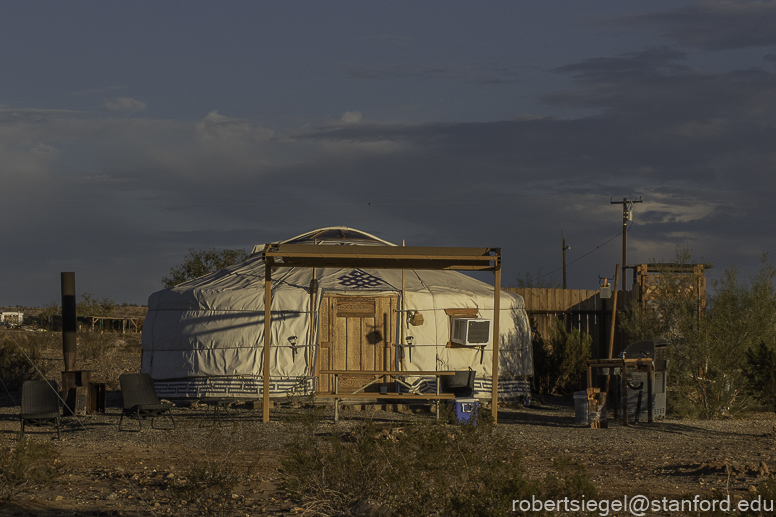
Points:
[309,414]
[417,470]
[18,357]
[94,345]
[25,466]
[760,373]
[104,353]
[560,362]
[208,483]
[132,343]
[43,320]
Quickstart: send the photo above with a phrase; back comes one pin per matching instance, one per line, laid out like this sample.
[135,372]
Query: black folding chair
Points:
[40,404]
[141,400]
[461,384]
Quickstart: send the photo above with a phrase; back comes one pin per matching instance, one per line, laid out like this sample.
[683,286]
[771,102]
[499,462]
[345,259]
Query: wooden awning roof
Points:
[382,257]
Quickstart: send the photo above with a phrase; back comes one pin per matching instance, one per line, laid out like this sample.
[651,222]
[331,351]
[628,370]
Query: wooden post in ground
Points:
[614,317]
[267,337]
[496,311]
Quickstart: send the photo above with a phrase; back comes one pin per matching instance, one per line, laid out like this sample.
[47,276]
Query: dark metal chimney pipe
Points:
[69,323]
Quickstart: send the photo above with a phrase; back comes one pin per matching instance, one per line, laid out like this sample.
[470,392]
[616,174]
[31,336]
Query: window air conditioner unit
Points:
[471,331]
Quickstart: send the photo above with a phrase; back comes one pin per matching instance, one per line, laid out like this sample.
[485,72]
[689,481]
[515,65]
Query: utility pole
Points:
[564,259]
[627,215]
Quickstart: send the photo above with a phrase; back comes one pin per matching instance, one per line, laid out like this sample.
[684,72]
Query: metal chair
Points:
[40,404]
[461,384]
[141,401]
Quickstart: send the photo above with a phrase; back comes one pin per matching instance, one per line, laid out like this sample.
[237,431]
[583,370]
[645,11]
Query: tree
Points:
[198,263]
[91,306]
[560,362]
[528,281]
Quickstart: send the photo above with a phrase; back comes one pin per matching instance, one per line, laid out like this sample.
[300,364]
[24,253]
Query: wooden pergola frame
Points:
[380,257]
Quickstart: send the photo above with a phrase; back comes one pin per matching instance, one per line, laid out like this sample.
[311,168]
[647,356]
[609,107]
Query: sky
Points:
[132,132]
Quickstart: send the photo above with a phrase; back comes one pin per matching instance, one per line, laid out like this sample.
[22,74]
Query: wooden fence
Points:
[581,309]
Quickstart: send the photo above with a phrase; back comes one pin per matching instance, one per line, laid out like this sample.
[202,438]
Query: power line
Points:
[583,256]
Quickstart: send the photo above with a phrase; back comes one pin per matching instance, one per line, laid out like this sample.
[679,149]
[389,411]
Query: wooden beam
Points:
[393,396]
[384,257]
[404,373]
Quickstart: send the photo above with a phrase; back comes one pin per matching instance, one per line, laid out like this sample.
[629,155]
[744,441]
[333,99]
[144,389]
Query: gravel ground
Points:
[108,472]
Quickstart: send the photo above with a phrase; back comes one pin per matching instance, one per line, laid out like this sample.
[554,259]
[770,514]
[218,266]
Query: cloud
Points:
[124,105]
[215,126]
[35,115]
[712,25]
[351,117]
[655,83]
[697,145]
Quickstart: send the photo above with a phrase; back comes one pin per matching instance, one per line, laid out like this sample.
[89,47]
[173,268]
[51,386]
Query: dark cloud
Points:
[655,82]
[712,25]
[117,197]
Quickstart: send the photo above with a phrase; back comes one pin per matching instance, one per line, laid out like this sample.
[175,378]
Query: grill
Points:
[657,350]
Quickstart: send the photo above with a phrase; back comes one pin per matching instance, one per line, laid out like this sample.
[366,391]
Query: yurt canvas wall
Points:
[205,338]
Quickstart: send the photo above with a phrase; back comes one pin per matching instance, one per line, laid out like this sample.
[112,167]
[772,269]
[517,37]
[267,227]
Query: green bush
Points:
[25,466]
[560,362]
[760,373]
[419,470]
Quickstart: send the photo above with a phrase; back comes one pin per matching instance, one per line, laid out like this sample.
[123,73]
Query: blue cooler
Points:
[465,410]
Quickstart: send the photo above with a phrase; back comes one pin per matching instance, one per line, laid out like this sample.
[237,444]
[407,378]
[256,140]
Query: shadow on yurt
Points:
[204,338]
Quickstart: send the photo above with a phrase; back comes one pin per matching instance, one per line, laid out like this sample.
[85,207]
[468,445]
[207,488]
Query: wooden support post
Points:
[614,316]
[496,332]
[650,370]
[267,337]
[589,376]
[437,392]
[336,399]
[624,388]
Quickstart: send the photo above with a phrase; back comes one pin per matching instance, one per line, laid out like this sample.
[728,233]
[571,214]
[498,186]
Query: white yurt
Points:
[205,338]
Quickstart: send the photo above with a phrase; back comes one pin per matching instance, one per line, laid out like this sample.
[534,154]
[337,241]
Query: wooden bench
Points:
[398,377]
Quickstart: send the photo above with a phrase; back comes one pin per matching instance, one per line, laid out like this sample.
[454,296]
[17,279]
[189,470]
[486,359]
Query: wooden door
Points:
[356,334]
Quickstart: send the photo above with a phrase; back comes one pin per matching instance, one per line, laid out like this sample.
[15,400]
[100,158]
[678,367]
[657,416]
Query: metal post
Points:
[69,323]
